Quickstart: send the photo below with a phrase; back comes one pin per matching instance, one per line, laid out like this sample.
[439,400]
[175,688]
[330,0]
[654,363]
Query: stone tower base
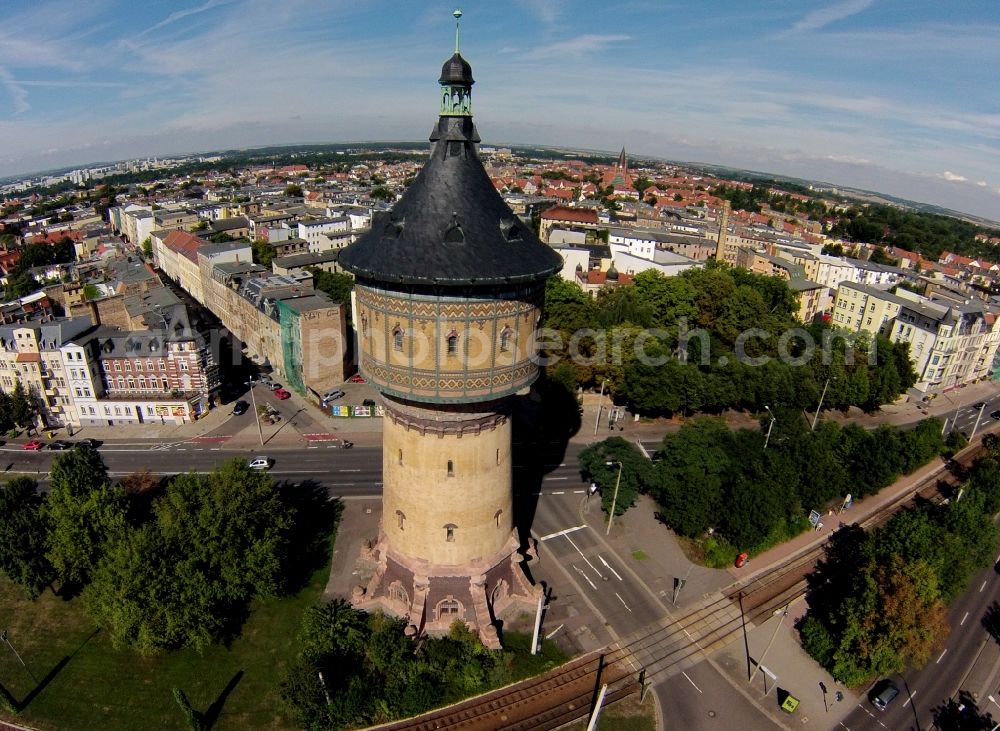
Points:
[431,597]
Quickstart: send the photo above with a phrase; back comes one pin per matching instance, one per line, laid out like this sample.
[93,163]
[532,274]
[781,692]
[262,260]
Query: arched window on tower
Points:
[400,519]
[451,342]
[449,532]
[505,339]
[397,338]
[449,607]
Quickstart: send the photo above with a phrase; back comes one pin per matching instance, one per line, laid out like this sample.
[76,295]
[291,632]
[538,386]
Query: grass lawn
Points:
[626,715]
[87,684]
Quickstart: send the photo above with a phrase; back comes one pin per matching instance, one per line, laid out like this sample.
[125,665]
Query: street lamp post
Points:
[6,639]
[769,426]
[600,406]
[614,500]
[978,419]
[820,407]
[256,416]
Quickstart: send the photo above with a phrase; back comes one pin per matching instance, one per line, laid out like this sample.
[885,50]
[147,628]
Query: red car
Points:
[34,444]
[282,394]
[357,378]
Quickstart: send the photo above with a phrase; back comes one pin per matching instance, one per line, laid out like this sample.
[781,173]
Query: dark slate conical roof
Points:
[451,227]
[456,70]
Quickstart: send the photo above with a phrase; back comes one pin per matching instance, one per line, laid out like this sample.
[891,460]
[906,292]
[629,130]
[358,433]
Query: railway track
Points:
[662,649]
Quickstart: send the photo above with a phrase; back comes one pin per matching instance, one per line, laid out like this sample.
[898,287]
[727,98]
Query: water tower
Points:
[449,288]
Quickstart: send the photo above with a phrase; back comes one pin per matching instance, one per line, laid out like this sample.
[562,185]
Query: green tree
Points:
[23,406]
[85,514]
[24,529]
[147,248]
[263,252]
[293,190]
[216,542]
[636,472]
[336,285]
[693,468]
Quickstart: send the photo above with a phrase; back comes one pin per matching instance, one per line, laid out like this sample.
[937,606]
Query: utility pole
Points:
[614,500]
[256,416]
[600,406]
[4,636]
[820,407]
[769,426]
[597,708]
[769,643]
[538,624]
[978,418]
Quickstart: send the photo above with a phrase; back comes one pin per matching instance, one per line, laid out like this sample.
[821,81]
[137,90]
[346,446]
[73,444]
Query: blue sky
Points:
[895,95]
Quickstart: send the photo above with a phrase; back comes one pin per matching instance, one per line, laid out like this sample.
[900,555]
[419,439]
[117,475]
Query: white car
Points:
[260,463]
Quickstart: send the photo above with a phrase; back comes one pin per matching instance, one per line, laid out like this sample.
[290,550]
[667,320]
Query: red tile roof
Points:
[184,244]
[578,215]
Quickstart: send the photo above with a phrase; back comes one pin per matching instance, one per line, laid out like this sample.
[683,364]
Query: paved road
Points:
[347,472]
[970,661]
[702,698]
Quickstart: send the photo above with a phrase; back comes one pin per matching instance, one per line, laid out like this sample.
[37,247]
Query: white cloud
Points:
[953,177]
[982,184]
[181,14]
[18,94]
[578,46]
[823,17]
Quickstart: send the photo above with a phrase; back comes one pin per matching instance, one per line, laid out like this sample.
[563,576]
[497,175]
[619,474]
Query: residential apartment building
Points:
[863,308]
[949,345]
[32,353]
[155,376]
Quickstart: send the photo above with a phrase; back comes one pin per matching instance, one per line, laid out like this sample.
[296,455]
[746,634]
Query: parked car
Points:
[883,693]
[369,402]
[264,378]
[341,444]
[979,405]
[273,385]
[59,445]
[332,396]
[995,415]
[88,444]
[282,394]
[742,559]
[260,463]
[240,407]
[357,378]
[34,444]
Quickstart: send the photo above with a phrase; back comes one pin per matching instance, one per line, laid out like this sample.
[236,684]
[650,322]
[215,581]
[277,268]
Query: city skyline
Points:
[888,96]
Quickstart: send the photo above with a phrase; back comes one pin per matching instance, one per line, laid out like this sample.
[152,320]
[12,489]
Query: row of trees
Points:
[347,654]
[706,477]
[878,600]
[177,571]
[927,233]
[18,408]
[713,339]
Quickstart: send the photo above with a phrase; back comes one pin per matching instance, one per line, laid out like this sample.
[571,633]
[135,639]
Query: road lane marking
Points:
[579,492]
[941,655]
[609,567]
[623,602]
[691,681]
[912,693]
[998,560]
[558,492]
[585,558]
[556,478]
[562,532]
[983,586]
[580,571]
[963,619]
[348,470]
[552,633]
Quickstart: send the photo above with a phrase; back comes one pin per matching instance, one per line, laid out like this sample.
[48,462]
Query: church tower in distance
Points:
[449,288]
